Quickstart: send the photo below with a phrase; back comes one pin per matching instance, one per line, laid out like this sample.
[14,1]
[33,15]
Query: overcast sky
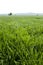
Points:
[21,6]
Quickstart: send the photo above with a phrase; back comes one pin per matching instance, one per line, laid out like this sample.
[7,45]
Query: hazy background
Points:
[21,6]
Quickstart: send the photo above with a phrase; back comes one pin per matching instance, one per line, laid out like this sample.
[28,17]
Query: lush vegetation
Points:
[21,40]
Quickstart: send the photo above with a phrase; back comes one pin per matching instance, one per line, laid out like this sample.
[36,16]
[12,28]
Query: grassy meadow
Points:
[21,40]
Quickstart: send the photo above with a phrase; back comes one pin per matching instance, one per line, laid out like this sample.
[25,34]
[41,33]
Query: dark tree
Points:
[10,14]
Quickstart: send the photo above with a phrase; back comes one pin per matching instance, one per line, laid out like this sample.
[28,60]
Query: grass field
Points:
[21,40]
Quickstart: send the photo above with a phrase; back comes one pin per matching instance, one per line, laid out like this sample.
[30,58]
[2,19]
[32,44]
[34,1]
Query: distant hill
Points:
[30,14]
[25,14]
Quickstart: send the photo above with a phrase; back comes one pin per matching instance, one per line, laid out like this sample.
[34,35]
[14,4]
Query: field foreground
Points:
[21,40]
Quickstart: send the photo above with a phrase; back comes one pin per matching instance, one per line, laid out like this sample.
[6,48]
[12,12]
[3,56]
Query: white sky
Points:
[21,6]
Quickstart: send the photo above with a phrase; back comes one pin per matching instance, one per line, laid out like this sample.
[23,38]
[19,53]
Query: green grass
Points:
[21,40]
